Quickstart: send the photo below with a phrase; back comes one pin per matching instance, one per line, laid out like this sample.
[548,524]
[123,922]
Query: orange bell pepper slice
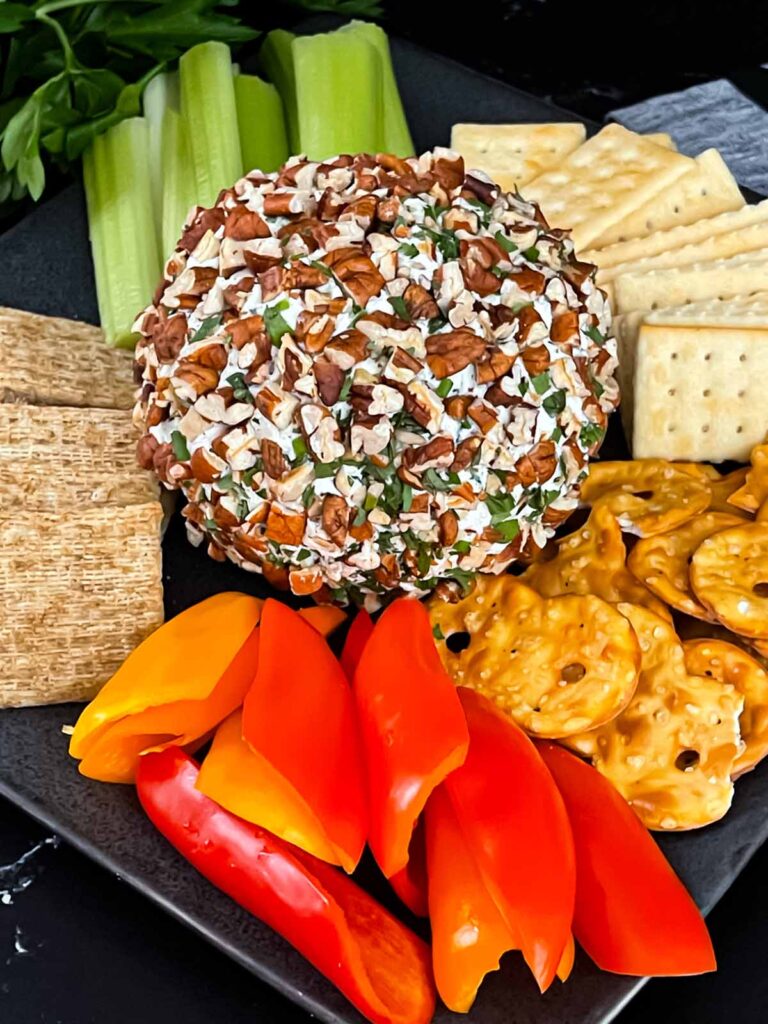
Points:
[357,637]
[410,883]
[414,730]
[517,830]
[299,716]
[324,617]
[173,688]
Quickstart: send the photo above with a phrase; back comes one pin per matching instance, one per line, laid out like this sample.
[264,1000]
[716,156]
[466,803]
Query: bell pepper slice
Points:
[633,914]
[469,935]
[299,715]
[414,731]
[244,782]
[517,829]
[324,617]
[410,882]
[378,963]
[357,637]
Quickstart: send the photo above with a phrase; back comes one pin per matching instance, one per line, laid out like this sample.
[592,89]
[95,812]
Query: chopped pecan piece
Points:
[484,417]
[285,527]
[449,173]
[313,232]
[214,356]
[529,280]
[314,330]
[538,465]
[330,379]
[465,453]
[536,359]
[388,571]
[437,452]
[448,528]
[493,366]
[451,351]
[357,274]
[347,348]
[168,336]
[477,188]
[145,451]
[243,224]
[336,518]
[276,575]
[362,532]
[274,460]
[204,220]
[203,467]
[456,406]
[478,255]
[305,581]
[527,319]
[197,378]
[565,327]
[420,303]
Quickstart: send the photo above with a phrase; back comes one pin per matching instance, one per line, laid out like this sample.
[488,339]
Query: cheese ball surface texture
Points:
[373,373]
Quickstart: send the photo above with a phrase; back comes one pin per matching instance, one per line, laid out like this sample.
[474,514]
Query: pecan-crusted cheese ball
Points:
[373,373]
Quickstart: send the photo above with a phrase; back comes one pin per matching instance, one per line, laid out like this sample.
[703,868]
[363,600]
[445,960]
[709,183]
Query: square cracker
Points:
[605,180]
[716,247]
[705,190]
[699,392]
[739,311]
[661,139]
[53,458]
[513,154]
[675,238]
[46,360]
[78,591]
[675,286]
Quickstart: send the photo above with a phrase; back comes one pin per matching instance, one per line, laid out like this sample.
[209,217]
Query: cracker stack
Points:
[80,566]
[684,261]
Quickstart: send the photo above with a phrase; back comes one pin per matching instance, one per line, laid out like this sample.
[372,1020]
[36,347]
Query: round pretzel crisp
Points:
[730,664]
[729,576]
[557,666]
[754,491]
[647,496]
[724,488]
[671,752]
[592,560]
[661,562]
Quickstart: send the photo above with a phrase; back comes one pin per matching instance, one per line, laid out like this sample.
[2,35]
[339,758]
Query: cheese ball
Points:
[373,374]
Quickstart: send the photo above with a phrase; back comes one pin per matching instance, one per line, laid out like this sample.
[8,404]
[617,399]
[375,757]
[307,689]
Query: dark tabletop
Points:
[77,946]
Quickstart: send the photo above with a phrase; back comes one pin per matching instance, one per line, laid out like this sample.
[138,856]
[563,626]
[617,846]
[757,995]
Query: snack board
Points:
[103,820]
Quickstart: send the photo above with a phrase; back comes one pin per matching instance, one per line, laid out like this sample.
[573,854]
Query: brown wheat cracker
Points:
[697,392]
[78,591]
[676,238]
[737,275]
[47,360]
[705,190]
[513,154]
[603,181]
[53,458]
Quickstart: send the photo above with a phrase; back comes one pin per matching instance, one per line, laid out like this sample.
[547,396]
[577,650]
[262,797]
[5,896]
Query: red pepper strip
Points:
[379,965]
[357,637]
[410,883]
[517,830]
[299,715]
[414,731]
[469,935]
[633,914]
[565,966]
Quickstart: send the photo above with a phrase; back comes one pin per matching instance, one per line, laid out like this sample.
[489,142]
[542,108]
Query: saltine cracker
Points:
[513,154]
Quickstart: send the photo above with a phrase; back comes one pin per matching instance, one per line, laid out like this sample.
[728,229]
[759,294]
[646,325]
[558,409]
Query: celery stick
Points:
[162,92]
[178,179]
[339,94]
[123,239]
[397,137]
[276,60]
[260,118]
[208,105]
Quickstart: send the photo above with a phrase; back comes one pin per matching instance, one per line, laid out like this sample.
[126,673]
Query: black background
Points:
[77,946]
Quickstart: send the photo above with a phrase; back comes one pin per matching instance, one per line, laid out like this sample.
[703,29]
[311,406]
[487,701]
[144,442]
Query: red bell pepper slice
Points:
[410,882]
[357,637]
[517,830]
[379,965]
[299,715]
[413,728]
[633,915]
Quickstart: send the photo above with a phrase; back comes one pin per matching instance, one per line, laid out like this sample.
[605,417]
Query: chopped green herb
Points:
[462,547]
[206,328]
[326,469]
[407,497]
[509,529]
[498,272]
[500,506]
[446,242]
[506,243]
[240,390]
[437,633]
[531,254]
[262,493]
[398,304]
[593,333]
[211,524]
[444,388]
[412,542]
[360,517]
[555,403]
[462,577]
[243,508]
[435,324]
[370,502]
[308,496]
[250,473]
[454,478]
[557,434]
[346,387]
[226,483]
[434,482]
[275,323]
[591,435]
[321,267]
[597,387]
[466,424]
[301,554]
[408,249]
[179,445]
[522,387]
[435,211]
[299,449]
[541,383]
[423,560]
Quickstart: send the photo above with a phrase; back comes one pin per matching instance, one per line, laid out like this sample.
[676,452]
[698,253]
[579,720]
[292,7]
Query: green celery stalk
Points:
[161,93]
[397,137]
[208,105]
[122,228]
[178,178]
[260,118]
[276,61]
[339,94]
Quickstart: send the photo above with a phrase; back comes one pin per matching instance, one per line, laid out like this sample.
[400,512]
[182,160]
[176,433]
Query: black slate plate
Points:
[47,269]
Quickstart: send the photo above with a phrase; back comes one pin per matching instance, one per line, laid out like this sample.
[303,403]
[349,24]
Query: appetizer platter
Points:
[444,687]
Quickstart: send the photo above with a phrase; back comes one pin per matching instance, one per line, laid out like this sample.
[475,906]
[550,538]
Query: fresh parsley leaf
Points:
[408,249]
[531,254]
[398,304]
[508,529]
[597,387]
[443,389]
[555,403]
[593,333]
[423,560]
[435,324]
[274,322]
[360,517]
[541,383]
[179,445]
[308,496]
[299,446]
[522,387]
[346,387]
[446,242]
[462,547]
[326,469]
[590,435]
[434,482]
[226,483]
[240,390]
[370,503]
[506,243]
[302,554]
[206,328]
[462,577]
[557,434]
[437,633]
[407,497]
[318,265]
